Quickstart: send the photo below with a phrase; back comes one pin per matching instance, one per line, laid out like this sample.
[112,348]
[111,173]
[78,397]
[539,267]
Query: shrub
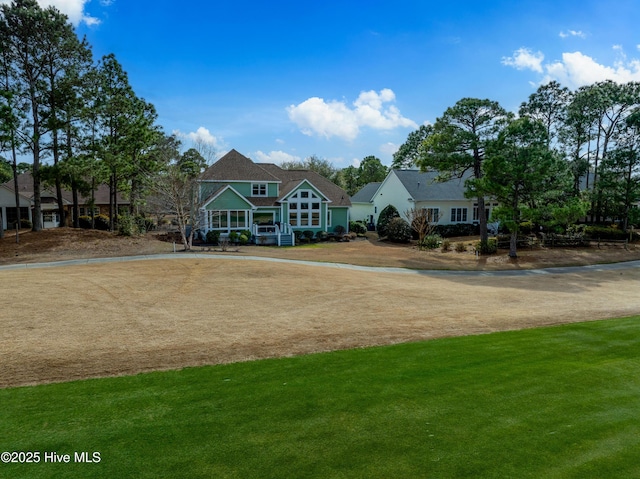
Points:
[127,226]
[322,236]
[386,215]
[487,247]
[101,222]
[431,242]
[398,231]
[84,222]
[339,230]
[458,229]
[233,236]
[357,227]
[144,224]
[308,235]
[446,245]
[526,227]
[605,232]
[213,237]
[243,239]
[461,247]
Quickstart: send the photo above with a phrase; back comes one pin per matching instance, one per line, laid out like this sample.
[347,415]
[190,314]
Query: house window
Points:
[87,211]
[433,214]
[225,219]
[458,215]
[259,189]
[329,218]
[487,212]
[304,209]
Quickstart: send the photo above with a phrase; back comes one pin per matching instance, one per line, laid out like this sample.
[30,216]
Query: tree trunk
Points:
[513,244]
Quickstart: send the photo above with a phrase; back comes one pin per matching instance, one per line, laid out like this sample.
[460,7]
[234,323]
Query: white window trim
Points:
[259,187]
[306,214]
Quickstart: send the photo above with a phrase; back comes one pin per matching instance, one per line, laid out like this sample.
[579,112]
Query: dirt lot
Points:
[107,319]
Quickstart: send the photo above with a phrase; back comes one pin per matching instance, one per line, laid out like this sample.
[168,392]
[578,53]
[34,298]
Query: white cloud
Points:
[576,69]
[336,118]
[277,157]
[74,9]
[201,135]
[573,33]
[525,59]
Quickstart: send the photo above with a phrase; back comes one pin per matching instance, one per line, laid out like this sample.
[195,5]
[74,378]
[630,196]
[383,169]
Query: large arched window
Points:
[304,209]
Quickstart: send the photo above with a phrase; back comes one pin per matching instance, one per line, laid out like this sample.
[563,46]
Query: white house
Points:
[408,189]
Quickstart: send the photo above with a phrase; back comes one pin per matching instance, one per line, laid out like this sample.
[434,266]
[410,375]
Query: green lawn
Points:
[545,403]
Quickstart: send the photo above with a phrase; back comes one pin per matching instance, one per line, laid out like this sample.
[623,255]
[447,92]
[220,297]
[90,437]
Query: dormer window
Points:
[258,189]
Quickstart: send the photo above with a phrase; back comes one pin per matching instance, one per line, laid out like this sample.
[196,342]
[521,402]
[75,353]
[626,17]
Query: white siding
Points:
[391,192]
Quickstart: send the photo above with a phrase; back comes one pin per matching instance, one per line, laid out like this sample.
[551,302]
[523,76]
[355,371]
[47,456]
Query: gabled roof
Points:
[292,178]
[423,186]
[236,167]
[365,195]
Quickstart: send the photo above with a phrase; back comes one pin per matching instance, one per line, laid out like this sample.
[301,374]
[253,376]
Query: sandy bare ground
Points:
[94,320]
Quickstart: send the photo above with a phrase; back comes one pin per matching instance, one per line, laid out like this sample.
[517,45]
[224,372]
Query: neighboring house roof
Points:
[25,187]
[423,186]
[236,167]
[365,195]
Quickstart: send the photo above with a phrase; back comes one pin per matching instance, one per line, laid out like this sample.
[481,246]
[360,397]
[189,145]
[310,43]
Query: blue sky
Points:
[283,80]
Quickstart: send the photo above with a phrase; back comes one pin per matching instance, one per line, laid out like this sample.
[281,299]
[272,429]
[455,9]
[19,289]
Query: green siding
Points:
[229,200]
[339,216]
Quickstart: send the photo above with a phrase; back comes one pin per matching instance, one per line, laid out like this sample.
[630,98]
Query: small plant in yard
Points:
[461,247]
[213,237]
[446,245]
[487,247]
[430,242]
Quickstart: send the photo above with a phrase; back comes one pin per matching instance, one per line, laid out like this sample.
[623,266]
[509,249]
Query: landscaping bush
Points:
[431,242]
[243,239]
[386,215]
[458,229]
[487,247]
[357,227]
[322,236]
[339,230]
[101,222]
[307,236]
[446,245]
[605,233]
[213,237]
[144,224]
[84,222]
[398,231]
[127,226]
[233,237]
[461,247]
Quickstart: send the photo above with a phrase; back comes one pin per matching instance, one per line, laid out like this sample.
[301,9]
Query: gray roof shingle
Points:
[236,167]
[423,186]
[365,195]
